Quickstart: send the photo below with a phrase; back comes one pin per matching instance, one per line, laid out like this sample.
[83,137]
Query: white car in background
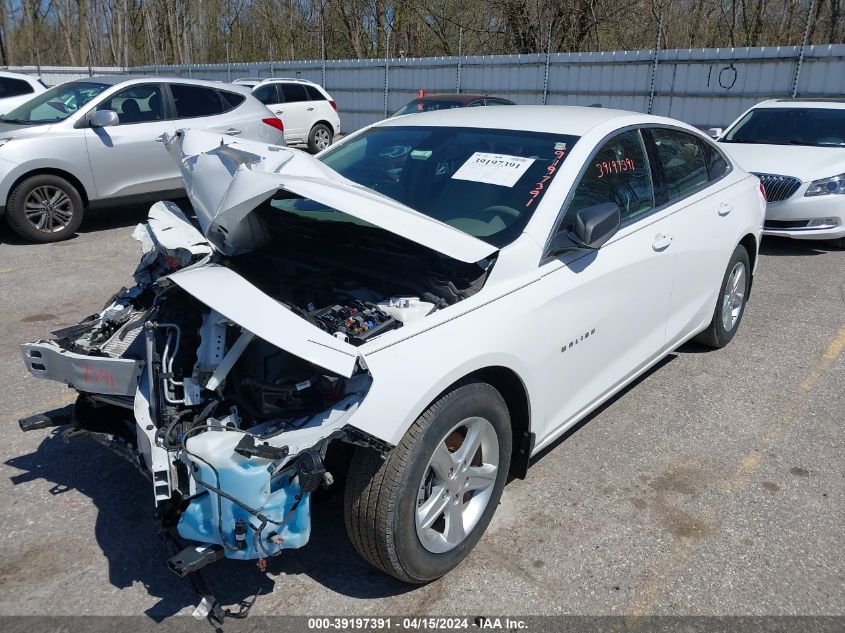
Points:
[248,82]
[308,112]
[797,149]
[16,88]
[445,293]
[94,141]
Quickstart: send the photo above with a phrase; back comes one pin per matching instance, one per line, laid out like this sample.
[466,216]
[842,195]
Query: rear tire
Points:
[319,138]
[44,208]
[730,305]
[418,512]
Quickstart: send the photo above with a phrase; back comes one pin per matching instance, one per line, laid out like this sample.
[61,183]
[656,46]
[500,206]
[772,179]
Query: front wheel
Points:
[733,295]
[418,512]
[44,208]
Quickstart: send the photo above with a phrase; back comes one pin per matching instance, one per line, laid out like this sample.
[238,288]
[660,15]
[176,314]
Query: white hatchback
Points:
[308,112]
[797,149]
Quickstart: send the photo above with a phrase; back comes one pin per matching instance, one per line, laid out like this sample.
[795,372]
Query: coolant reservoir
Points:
[406,309]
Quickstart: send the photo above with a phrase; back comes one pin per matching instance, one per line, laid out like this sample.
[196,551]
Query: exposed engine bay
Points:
[239,355]
[232,430]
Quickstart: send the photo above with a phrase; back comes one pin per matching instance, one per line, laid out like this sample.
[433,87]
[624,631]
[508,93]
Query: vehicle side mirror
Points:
[715,132]
[104,118]
[593,226]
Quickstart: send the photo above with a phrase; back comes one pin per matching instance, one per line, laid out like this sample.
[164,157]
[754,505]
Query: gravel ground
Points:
[712,486]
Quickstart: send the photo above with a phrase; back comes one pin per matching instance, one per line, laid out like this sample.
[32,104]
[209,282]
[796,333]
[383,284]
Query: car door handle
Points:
[234,132]
[725,208]
[661,241]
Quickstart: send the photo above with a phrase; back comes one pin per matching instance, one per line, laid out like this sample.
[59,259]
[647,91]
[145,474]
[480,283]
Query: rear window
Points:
[231,100]
[294,92]
[483,182]
[13,87]
[195,101]
[427,105]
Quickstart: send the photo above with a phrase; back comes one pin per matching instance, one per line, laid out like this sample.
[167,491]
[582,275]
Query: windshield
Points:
[816,127]
[483,182]
[428,105]
[56,104]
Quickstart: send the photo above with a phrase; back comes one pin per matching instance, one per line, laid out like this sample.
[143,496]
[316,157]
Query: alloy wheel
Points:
[48,208]
[734,296]
[457,485]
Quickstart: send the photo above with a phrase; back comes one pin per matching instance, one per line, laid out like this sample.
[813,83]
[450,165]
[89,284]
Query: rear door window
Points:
[231,100]
[717,166]
[682,161]
[294,92]
[195,101]
[618,172]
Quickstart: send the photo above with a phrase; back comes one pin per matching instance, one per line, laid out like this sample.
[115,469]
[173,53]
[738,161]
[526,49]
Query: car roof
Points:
[299,80]
[452,96]
[14,75]
[574,120]
[114,80]
[830,103]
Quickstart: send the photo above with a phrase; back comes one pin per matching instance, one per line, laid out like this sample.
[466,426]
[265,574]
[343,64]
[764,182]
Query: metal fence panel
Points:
[705,87]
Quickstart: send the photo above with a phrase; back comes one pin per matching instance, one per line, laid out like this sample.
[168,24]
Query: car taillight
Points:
[274,122]
[333,104]
[763,191]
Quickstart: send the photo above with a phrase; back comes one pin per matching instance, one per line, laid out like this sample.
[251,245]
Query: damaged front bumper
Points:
[161,380]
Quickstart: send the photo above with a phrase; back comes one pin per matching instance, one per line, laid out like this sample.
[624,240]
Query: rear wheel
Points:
[418,512]
[44,208]
[319,138]
[730,306]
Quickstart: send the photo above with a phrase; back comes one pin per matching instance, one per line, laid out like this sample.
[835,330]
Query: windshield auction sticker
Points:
[494,169]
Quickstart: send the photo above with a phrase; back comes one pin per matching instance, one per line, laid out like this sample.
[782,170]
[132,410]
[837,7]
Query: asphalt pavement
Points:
[715,485]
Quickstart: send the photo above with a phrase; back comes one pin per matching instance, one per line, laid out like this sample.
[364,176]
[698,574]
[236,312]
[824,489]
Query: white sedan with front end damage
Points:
[447,294]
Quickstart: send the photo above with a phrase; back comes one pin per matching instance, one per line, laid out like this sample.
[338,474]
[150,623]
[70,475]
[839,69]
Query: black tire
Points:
[320,130]
[64,221]
[717,334]
[380,500]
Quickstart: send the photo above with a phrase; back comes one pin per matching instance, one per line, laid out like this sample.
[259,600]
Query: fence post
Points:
[810,10]
[228,63]
[654,66]
[386,73]
[548,61]
[460,59]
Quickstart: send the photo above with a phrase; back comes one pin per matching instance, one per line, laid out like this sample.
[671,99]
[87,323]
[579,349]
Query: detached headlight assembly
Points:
[825,186]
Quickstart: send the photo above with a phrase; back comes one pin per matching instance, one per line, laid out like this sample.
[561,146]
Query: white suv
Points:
[94,141]
[308,112]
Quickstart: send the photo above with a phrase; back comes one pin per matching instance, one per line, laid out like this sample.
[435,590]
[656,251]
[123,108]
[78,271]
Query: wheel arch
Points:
[52,171]
[322,122]
[508,383]
[749,242]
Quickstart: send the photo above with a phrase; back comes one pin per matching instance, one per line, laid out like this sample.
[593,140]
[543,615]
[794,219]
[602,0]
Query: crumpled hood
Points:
[226,179]
[806,163]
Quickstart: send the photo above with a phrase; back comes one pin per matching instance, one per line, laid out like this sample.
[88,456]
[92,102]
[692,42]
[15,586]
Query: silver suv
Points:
[92,142]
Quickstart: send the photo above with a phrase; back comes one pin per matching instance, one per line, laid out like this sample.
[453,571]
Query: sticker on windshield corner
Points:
[494,169]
